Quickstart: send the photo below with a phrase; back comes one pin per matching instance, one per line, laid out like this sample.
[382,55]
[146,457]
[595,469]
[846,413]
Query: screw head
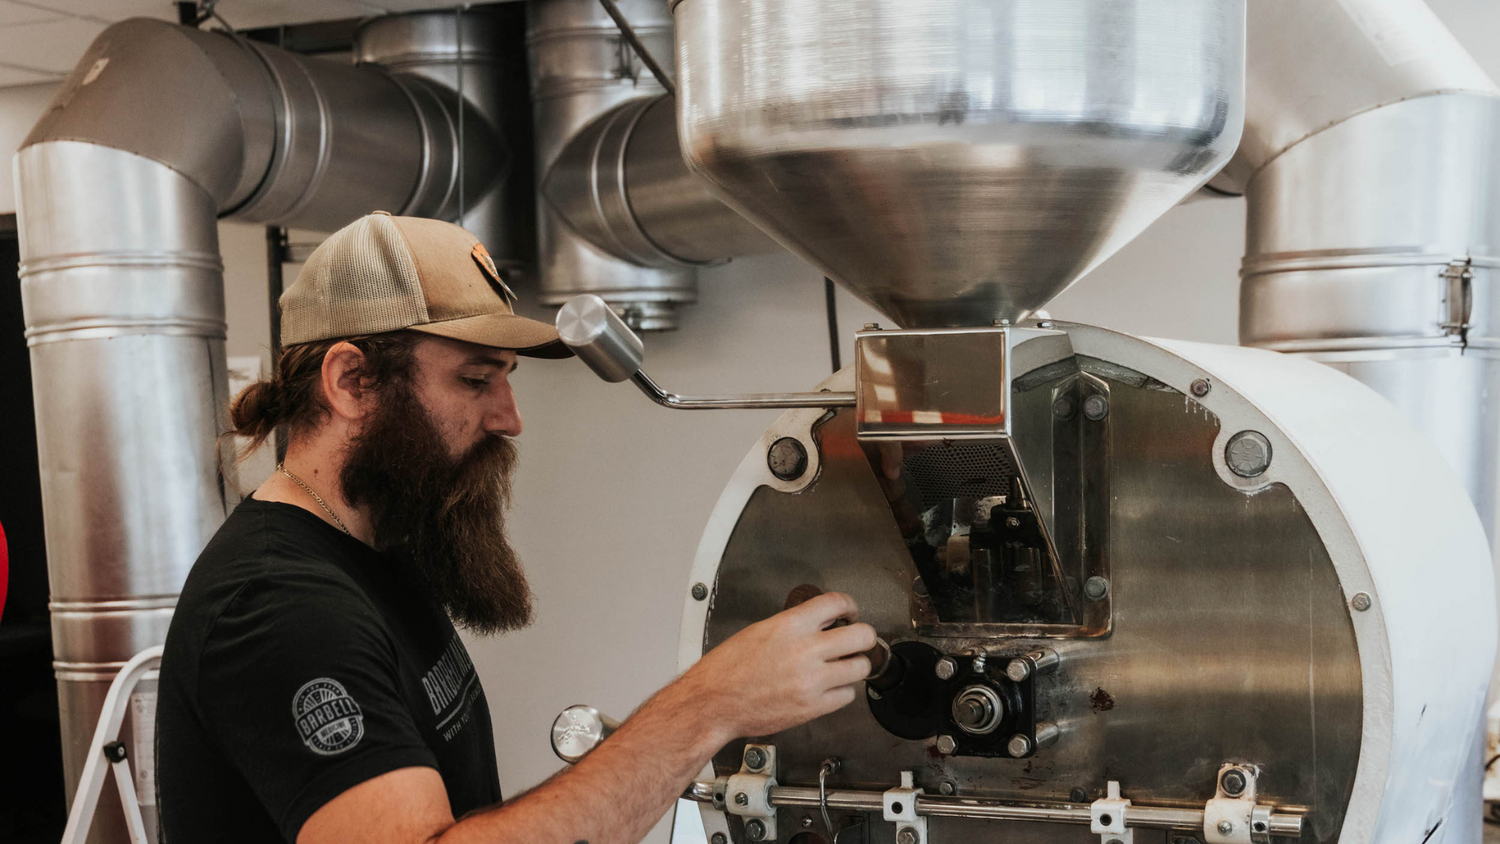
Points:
[1225,827]
[719,838]
[1018,669]
[946,745]
[787,458]
[1064,408]
[946,668]
[700,591]
[947,787]
[1201,387]
[1078,795]
[1012,522]
[1248,454]
[872,326]
[1233,782]
[741,798]
[755,759]
[1095,588]
[1018,745]
[1095,407]
[1361,601]
[907,835]
[755,829]
[806,822]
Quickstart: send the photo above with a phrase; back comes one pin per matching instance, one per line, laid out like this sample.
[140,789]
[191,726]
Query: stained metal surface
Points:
[956,162]
[1231,639]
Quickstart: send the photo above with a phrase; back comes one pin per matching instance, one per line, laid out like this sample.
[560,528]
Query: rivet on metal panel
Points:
[1095,588]
[700,591]
[1361,601]
[1201,387]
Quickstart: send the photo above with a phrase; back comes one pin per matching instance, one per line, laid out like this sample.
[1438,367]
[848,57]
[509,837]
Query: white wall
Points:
[20,107]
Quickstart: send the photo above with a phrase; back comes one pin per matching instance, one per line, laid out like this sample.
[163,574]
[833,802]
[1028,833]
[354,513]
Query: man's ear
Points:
[342,389]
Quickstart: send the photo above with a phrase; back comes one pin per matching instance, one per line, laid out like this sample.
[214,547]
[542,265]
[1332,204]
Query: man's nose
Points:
[504,418]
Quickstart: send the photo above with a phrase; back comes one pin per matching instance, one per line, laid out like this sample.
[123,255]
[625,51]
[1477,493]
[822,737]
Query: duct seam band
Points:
[1342,259]
[87,672]
[160,602]
[1360,344]
[131,260]
[101,328]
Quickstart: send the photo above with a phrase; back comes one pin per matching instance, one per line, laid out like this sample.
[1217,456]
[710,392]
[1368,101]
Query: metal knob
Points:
[599,338]
[578,730]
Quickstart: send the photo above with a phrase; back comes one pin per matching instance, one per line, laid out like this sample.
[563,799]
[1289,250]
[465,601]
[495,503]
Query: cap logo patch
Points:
[487,266]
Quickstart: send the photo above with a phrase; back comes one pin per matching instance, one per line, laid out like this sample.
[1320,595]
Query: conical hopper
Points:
[955,162]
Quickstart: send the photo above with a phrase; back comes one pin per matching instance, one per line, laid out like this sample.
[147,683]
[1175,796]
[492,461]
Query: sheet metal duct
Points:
[618,214]
[159,131]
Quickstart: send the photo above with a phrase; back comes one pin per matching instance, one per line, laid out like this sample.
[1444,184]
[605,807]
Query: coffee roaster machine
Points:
[1123,586]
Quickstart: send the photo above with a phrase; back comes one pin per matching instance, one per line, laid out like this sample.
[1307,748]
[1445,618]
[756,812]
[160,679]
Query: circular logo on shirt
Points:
[328,719]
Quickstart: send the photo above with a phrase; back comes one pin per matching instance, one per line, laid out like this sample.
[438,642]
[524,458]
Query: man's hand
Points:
[783,671]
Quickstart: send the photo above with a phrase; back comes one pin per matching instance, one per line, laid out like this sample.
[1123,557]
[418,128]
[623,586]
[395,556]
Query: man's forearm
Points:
[618,792]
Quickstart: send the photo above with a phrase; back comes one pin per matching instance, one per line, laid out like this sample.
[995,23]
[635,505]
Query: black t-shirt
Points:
[300,663]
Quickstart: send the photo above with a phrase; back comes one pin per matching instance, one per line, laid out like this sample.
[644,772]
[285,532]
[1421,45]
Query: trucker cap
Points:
[385,273]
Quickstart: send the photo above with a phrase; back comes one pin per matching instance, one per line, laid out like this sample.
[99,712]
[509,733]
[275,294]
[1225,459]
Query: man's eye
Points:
[476,383]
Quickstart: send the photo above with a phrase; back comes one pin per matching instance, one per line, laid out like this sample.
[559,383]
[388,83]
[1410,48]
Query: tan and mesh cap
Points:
[384,273]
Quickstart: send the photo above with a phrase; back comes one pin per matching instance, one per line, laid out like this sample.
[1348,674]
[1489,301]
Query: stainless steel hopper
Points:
[956,162]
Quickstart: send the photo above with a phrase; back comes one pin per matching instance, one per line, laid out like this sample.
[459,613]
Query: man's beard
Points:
[446,515]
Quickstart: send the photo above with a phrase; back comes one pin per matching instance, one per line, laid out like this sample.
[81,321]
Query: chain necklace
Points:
[281,467]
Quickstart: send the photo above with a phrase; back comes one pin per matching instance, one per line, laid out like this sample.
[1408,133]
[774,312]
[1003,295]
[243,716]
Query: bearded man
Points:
[313,687]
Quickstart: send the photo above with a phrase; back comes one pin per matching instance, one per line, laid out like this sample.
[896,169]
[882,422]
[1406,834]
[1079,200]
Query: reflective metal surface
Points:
[1218,597]
[480,52]
[581,68]
[622,183]
[125,319]
[597,335]
[955,162]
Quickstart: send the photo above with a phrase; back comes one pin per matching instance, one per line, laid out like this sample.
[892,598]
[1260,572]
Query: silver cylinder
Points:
[125,320]
[479,53]
[621,182]
[581,68]
[597,335]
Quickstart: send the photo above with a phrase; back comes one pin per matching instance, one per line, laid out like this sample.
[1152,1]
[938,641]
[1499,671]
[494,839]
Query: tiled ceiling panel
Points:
[14,13]
[50,47]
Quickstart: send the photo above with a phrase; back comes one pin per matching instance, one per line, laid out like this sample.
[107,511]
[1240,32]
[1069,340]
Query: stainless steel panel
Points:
[955,162]
[1231,638]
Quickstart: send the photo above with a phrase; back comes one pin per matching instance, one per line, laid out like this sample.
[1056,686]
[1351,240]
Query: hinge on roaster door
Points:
[1459,296]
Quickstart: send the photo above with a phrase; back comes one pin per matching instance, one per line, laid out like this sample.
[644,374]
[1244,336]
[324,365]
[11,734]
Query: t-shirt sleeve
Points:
[298,683]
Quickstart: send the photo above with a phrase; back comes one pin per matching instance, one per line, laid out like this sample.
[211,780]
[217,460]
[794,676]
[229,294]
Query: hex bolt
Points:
[787,458]
[755,759]
[700,591]
[807,822]
[1095,407]
[1361,601]
[1248,454]
[907,835]
[741,798]
[1078,795]
[1064,408]
[1233,782]
[1096,588]
[719,838]
[1018,745]
[947,787]
[755,829]
[946,668]
[1018,669]
[1225,827]
[1201,387]
[946,745]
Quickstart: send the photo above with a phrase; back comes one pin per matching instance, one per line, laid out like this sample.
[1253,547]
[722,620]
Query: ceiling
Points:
[41,40]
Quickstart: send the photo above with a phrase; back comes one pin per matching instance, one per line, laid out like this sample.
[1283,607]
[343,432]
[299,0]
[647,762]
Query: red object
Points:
[4,570]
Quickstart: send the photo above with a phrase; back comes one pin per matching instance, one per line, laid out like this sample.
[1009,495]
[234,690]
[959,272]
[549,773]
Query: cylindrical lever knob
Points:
[578,730]
[599,338]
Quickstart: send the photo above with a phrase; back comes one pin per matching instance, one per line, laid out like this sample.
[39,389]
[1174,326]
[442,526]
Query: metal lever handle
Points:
[597,335]
[578,730]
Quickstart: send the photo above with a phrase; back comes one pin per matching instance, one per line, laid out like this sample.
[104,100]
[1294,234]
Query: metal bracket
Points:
[899,806]
[748,793]
[1459,296]
[1233,817]
[1107,816]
